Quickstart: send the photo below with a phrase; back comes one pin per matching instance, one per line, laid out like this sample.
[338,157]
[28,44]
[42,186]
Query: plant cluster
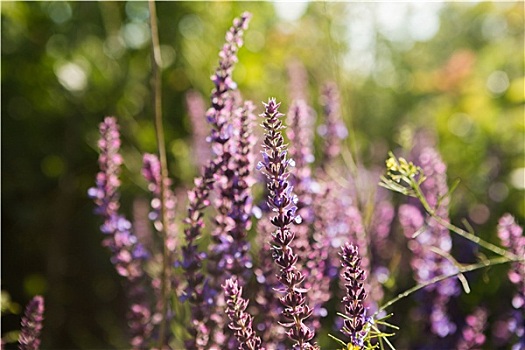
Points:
[263,273]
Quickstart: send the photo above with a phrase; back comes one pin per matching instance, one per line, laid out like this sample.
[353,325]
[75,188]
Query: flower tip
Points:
[260,165]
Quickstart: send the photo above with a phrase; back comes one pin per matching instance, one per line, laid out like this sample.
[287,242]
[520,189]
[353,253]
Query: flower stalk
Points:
[282,202]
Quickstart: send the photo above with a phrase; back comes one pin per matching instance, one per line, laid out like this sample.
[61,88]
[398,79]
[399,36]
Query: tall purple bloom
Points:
[312,252]
[283,203]
[224,102]
[229,250]
[240,320]
[32,323]
[353,302]
[242,180]
[228,253]
[195,290]
[120,240]
[127,253]
[151,170]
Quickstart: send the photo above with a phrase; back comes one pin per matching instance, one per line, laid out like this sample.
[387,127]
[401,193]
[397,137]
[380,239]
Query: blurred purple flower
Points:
[312,252]
[152,173]
[512,238]
[333,129]
[300,124]
[196,108]
[472,336]
[426,263]
[298,80]
[267,302]
[128,254]
[32,323]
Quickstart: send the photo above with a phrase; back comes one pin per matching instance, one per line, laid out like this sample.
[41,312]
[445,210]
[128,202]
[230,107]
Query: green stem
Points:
[467,268]
[493,248]
[161,144]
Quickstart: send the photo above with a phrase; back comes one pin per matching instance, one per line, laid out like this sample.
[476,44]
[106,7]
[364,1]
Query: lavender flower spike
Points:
[241,322]
[283,204]
[29,338]
[353,301]
[128,254]
[221,97]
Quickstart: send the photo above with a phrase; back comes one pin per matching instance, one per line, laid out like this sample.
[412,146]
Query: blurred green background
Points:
[456,69]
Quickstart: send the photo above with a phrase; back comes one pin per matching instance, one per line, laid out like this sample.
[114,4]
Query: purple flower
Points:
[312,252]
[283,204]
[472,336]
[201,292]
[222,100]
[197,112]
[333,130]
[127,253]
[353,302]
[240,321]
[152,173]
[196,288]
[425,263]
[300,122]
[267,303]
[105,194]
[242,180]
[298,80]
[31,325]
[120,240]
[512,237]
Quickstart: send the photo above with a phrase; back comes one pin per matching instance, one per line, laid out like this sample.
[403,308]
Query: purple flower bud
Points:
[31,326]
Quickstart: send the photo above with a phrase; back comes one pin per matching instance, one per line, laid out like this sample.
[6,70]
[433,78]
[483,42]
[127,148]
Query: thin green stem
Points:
[493,248]
[156,63]
[467,268]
